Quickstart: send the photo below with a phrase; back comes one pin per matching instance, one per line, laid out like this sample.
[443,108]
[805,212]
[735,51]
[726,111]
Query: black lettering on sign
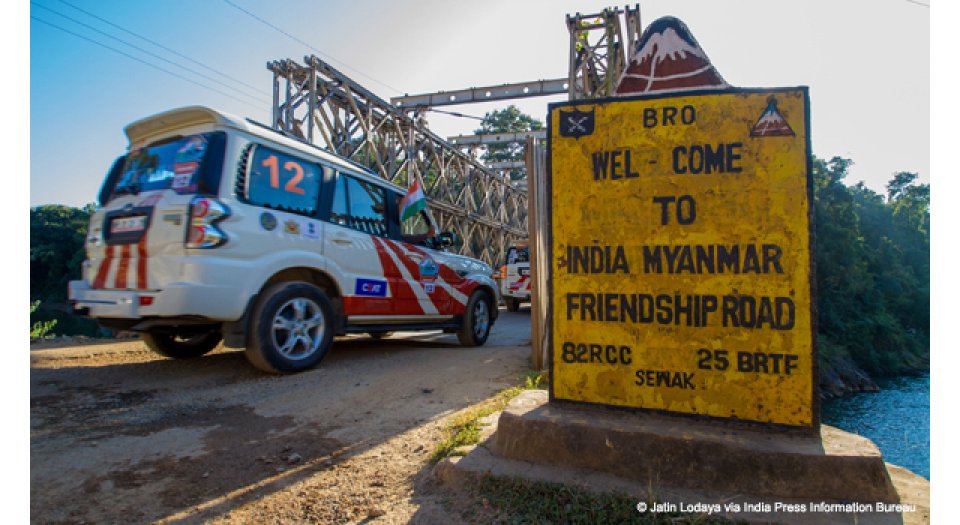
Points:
[665,378]
[766,363]
[720,258]
[593,353]
[667,116]
[596,259]
[685,209]
[688,310]
[613,165]
[712,360]
[708,159]
[744,311]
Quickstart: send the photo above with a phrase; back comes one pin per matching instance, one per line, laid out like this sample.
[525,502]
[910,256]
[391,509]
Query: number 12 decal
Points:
[292,166]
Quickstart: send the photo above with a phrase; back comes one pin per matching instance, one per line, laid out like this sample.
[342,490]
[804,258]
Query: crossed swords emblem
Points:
[576,123]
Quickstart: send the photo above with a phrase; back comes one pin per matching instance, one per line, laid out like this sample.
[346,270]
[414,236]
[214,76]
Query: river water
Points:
[897,419]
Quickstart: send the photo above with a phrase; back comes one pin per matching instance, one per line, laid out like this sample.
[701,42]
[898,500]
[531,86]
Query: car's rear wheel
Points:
[291,328]
[477,320]
[181,344]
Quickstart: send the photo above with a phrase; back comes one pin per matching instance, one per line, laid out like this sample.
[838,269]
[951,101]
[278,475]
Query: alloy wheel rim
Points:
[481,318]
[298,328]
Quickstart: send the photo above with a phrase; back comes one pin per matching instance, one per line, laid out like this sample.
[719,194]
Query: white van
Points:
[216,228]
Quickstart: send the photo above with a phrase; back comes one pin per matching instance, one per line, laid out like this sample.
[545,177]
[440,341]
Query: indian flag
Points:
[413,202]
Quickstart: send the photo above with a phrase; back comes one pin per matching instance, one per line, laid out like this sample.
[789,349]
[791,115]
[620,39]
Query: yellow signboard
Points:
[680,271]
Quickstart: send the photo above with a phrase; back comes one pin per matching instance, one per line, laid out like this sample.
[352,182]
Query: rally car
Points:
[213,227]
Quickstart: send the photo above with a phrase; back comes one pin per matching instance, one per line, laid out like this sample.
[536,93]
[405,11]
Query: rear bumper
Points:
[218,303]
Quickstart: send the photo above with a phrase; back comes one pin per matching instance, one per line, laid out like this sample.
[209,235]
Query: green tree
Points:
[507,120]
[872,268]
[56,249]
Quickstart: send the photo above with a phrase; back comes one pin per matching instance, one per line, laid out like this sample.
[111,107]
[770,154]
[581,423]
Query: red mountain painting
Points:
[668,58]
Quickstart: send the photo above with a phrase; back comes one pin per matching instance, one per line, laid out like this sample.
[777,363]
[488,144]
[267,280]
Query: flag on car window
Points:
[413,202]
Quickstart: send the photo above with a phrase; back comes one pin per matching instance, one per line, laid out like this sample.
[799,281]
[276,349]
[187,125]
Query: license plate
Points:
[128,224]
[524,271]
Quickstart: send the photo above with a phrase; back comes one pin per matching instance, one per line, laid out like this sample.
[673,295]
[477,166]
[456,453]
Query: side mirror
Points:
[448,239]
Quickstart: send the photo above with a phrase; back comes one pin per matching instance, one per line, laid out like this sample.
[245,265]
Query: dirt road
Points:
[121,435]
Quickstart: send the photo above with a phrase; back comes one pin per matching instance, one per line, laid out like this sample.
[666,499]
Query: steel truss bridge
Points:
[317,103]
[325,107]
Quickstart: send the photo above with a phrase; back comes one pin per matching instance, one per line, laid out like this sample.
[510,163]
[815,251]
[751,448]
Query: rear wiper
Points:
[132,189]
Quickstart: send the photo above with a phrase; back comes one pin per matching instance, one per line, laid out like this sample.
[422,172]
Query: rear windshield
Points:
[190,164]
[518,255]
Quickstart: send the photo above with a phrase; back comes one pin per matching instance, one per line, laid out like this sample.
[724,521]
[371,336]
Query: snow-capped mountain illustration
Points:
[668,58]
[771,123]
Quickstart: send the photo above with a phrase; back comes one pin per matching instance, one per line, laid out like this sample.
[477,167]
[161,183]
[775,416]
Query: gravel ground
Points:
[118,434]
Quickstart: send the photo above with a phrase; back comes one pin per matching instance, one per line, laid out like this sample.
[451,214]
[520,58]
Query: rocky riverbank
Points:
[840,376]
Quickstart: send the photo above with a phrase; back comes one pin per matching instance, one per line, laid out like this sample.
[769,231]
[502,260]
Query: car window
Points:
[518,255]
[189,164]
[359,205]
[339,212]
[283,182]
[416,229]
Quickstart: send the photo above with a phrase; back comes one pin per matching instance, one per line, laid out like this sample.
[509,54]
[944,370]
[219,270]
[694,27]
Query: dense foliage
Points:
[873,270]
[56,251]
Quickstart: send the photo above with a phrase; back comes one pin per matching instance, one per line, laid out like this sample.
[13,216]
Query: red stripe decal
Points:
[441,299]
[404,300]
[142,263]
[122,267]
[104,268]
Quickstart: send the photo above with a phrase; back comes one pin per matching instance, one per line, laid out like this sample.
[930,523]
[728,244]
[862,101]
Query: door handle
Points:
[342,241]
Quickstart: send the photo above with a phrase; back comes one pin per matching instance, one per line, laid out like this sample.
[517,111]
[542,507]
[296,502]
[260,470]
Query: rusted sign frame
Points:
[815,407]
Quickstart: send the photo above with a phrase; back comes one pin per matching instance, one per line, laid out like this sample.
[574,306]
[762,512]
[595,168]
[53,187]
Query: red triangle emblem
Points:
[771,123]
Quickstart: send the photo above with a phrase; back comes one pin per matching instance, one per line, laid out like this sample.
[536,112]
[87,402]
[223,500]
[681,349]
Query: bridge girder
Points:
[321,105]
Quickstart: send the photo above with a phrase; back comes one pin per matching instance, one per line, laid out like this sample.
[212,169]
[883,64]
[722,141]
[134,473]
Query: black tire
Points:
[477,320]
[379,335]
[181,345]
[513,304]
[291,328]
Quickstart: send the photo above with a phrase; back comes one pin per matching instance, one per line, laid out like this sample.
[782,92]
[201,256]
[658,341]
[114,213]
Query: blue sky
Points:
[866,62]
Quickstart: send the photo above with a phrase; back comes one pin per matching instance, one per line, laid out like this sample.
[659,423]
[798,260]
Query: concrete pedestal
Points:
[677,452]
[679,460]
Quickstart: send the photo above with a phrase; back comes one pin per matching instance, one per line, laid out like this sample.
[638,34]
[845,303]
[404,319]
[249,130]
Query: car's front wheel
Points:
[291,329]
[477,320]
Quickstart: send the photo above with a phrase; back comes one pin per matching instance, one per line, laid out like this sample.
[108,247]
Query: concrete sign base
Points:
[675,460]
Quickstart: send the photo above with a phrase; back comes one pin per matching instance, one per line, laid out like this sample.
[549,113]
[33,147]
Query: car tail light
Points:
[503,272]
[202,231]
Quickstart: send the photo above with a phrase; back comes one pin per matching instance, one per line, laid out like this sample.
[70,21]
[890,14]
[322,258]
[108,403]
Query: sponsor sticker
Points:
[291,226]
[311,230]
[191,150]
[371,288]
[428,274]
[268,221]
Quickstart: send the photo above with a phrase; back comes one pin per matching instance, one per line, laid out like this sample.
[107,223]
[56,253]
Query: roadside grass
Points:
[506,500]
[464,430]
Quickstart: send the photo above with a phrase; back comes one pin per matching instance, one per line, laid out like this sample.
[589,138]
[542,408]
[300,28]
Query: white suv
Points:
[217,228]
